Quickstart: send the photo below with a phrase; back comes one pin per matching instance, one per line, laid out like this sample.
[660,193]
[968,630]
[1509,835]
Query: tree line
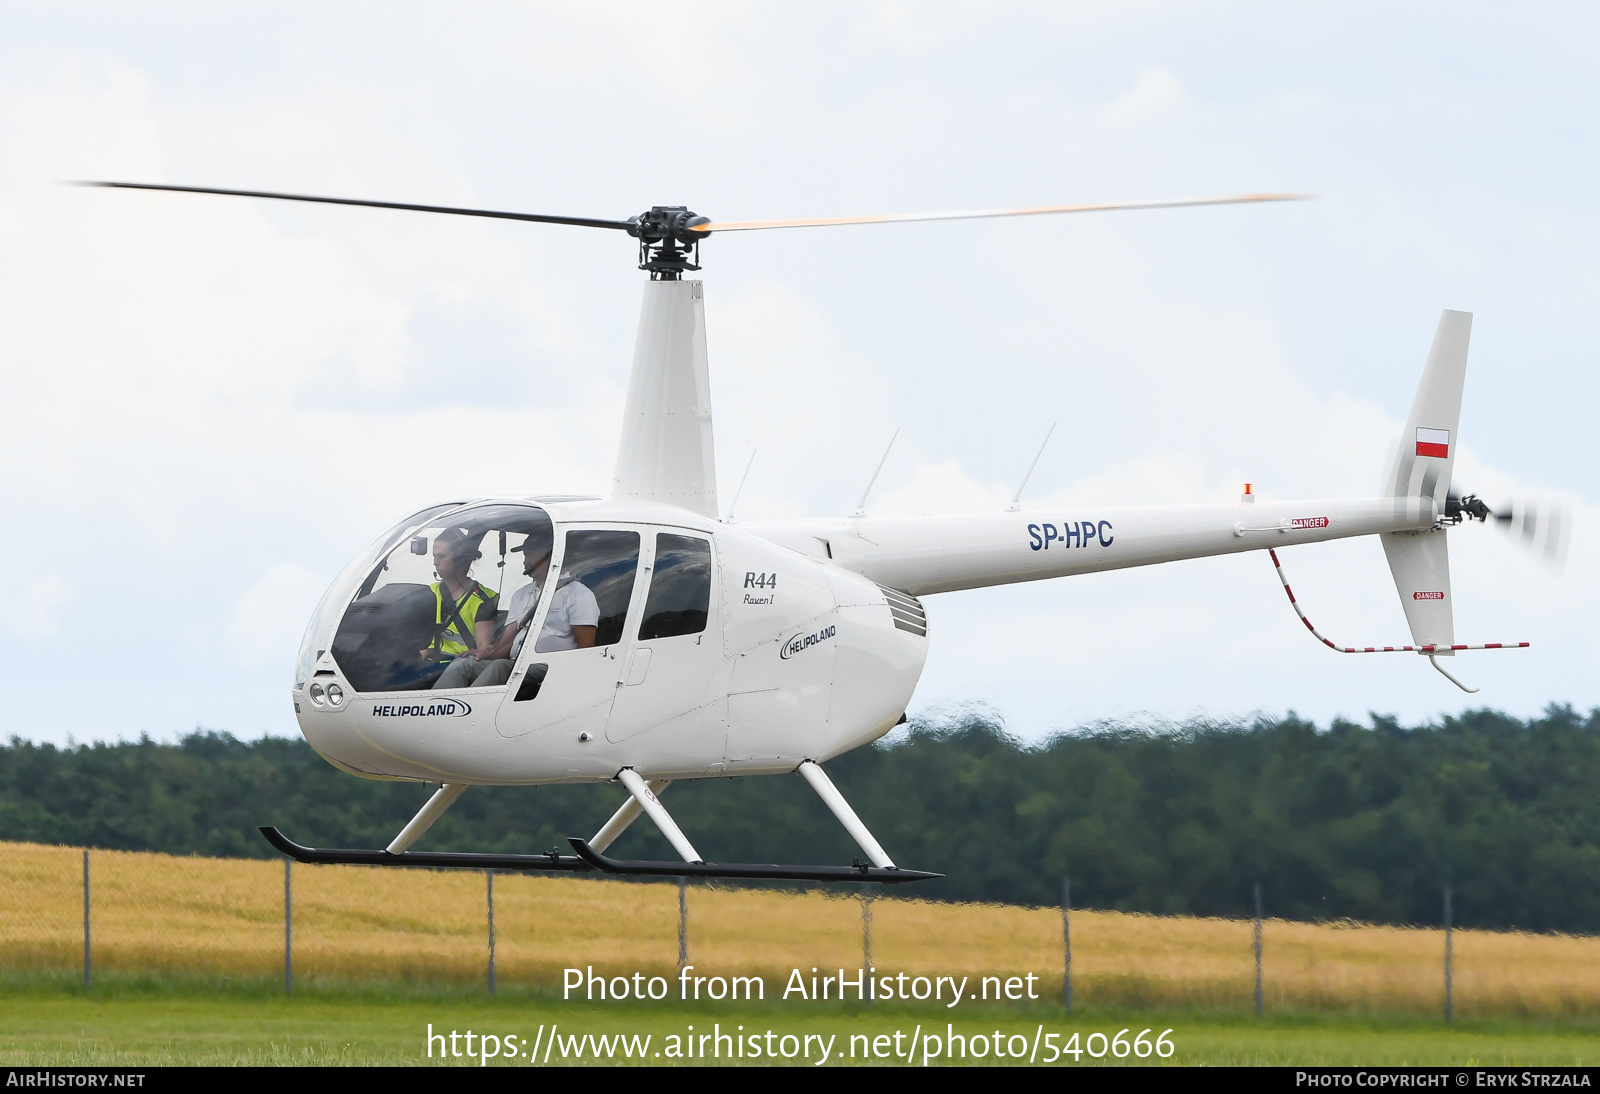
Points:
[1367,822]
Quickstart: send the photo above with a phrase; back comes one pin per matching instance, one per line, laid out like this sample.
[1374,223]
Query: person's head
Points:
[535,554]
[453,553]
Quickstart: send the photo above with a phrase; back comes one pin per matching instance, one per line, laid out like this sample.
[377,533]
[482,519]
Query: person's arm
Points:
[585,615]
[484,631]
[502,648]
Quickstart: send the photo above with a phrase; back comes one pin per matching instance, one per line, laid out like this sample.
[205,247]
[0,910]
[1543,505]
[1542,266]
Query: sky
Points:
[212,403]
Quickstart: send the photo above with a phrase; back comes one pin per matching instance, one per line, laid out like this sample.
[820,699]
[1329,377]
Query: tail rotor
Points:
[1541,523]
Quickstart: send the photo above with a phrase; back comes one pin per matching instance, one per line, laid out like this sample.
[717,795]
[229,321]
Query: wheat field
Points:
[166,915]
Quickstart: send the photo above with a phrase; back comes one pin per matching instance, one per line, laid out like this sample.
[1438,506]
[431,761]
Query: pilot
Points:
[465,608]
[570,623]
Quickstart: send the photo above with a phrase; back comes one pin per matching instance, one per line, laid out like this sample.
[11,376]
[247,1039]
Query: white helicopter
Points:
[639,639]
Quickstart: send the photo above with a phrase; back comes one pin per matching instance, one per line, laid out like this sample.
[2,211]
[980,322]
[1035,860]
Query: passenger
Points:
[465,608]
[570,623]
[573,618]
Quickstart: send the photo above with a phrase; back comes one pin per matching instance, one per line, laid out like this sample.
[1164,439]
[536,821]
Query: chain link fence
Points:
[168,917]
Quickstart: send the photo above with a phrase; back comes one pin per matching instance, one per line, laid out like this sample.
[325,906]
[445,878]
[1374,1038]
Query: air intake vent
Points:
[907,611]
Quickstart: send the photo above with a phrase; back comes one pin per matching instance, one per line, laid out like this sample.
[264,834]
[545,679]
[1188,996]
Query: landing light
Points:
[316,693]
[335,695]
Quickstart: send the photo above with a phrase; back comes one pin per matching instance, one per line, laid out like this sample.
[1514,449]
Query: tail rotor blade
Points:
[1541,523]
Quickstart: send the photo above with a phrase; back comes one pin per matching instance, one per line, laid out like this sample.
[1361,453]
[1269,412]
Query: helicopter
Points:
[641,639]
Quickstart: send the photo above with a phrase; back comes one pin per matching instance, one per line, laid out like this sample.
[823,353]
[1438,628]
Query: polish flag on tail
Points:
[1433,442]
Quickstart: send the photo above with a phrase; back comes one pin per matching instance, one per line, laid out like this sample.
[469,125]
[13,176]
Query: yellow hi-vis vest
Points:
[451,641]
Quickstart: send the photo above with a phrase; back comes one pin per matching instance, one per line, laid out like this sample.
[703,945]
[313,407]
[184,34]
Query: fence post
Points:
[1258,948]
[683,922]
[490,875]
[866,936]
[1449,960]
[288,929]
[86,918]
[1066,941]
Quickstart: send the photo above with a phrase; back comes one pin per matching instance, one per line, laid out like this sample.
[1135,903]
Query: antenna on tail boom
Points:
[734,504]
[1016,499]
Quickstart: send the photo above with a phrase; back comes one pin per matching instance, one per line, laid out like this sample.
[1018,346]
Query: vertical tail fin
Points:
[1427,450]
[1420,561]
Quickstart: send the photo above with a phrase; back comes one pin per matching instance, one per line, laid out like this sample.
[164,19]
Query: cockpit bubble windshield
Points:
[319,632]
[439,591]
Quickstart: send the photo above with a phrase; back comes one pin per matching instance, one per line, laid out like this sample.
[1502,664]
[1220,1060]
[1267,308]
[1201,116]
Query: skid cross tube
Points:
[658,813]
[431,811]
[842,812]
[624,816]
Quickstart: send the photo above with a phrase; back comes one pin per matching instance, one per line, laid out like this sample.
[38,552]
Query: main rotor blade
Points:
[538,218]
[980,214]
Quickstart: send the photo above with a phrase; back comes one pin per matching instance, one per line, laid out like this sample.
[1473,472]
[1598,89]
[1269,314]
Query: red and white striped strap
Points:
[1320,637]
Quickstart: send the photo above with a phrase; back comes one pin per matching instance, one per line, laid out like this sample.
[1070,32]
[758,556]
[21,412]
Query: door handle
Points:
[638,666]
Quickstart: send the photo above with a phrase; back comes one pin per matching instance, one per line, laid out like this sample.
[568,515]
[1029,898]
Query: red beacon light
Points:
[1249,494]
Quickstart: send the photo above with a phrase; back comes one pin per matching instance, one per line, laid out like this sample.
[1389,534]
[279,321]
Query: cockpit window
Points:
[680,587]
[440,592]
[320,631]
[590,603]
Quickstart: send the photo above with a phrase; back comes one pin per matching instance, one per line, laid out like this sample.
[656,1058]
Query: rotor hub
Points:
[1470,507]
[668,241]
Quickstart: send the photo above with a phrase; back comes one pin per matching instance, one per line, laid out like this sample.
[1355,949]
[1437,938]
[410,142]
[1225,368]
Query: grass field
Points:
[130,1025]
[188,958]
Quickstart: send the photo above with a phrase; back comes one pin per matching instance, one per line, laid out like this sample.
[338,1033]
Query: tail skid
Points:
[1433,651]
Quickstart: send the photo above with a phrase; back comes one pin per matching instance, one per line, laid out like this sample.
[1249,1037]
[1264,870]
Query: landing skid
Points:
[754,871]
[437,860]
[588,859]
[591,855]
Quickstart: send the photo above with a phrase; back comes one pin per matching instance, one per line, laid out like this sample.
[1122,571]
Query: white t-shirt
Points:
[521,600]
[573,605]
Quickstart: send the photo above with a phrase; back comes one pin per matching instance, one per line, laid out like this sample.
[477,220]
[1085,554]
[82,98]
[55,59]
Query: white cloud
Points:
[817,413]
[1157,96]
[270,616]
[941,487]
[41,608]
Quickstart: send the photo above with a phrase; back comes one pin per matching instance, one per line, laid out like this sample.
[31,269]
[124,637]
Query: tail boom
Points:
[936,554]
